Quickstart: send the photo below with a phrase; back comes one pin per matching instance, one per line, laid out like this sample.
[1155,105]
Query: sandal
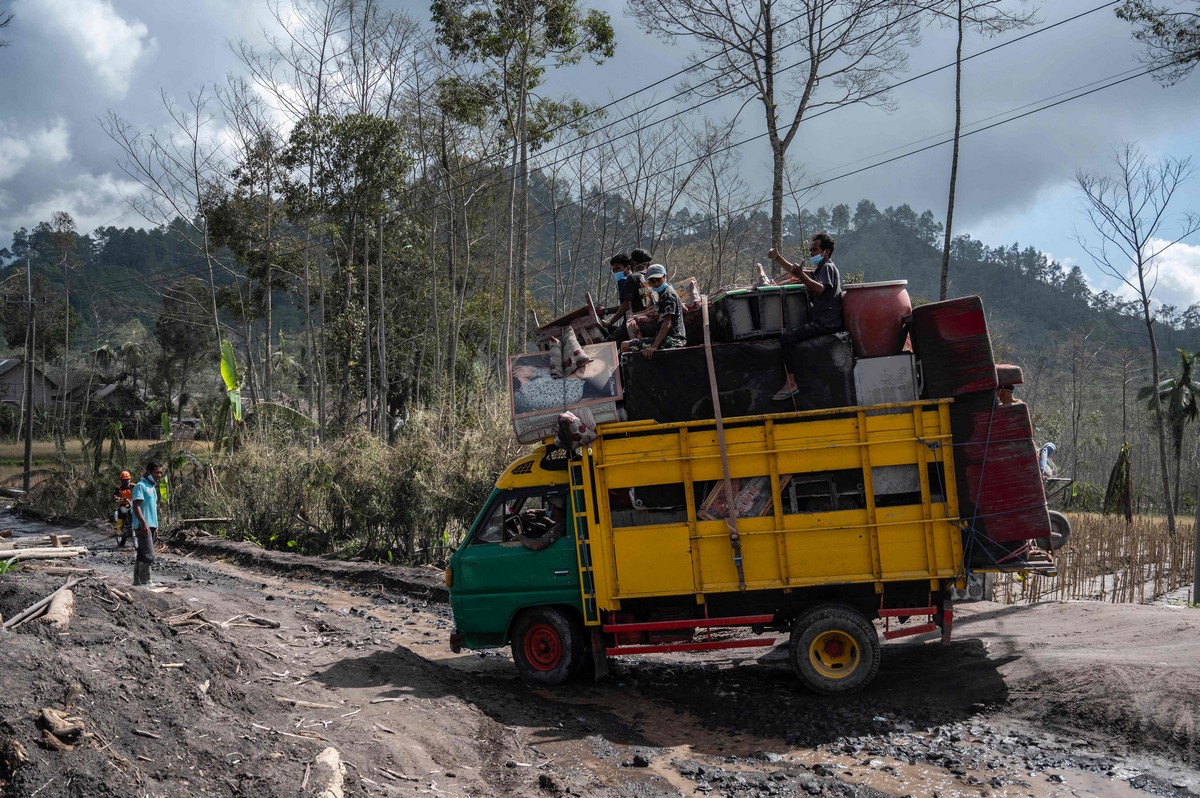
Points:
[785,394]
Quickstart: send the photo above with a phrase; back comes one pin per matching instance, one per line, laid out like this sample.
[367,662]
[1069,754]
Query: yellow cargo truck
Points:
[841,518]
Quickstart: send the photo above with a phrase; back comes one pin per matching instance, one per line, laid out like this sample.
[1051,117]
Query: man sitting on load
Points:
[630,284]
[671,332]
[825,287]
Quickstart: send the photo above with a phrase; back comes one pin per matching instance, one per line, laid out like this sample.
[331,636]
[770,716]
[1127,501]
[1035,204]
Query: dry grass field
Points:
[1109,560]
[46,455]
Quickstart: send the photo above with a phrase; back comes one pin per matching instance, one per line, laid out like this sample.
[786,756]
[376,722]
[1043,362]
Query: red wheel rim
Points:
[543,647]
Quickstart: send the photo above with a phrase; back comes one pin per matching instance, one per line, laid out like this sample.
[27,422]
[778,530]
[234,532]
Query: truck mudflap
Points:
[456,642]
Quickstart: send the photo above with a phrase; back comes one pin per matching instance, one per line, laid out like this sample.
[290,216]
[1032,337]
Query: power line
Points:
[439,204]
[794,194]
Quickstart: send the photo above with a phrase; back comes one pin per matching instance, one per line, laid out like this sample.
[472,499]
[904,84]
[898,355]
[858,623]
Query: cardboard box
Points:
[751,497]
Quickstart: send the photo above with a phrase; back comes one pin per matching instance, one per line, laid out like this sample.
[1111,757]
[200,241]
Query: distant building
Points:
[12,383]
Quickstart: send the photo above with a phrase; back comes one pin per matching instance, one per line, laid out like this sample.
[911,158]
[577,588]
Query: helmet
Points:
[126,475]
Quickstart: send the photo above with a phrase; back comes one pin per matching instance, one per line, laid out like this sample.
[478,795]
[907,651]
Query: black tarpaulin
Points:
[673,386]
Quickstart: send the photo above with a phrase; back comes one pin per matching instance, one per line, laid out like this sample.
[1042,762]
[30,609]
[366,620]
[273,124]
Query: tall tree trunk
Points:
[382,415]
[778,162]
[322,370]
[1159,416]
[368,384]
[944,290]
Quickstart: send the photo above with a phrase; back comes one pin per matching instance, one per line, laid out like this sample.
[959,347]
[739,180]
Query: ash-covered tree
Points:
[515,42]
[185,335]
[1129,212]
[1171,34]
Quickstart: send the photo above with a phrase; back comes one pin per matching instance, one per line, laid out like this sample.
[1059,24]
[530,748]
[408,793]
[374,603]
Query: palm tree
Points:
[1179,397]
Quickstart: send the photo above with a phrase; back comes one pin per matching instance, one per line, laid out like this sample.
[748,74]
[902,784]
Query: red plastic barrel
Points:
[873,314]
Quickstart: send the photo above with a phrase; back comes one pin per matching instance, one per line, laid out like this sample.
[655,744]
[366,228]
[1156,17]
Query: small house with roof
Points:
[12,383]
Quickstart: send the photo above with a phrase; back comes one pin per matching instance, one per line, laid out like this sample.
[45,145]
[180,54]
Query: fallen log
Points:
[296,702]
[327,771]
[36,609]
[189,521]
[56,570]
[60,610]
[43,541]
[46,553]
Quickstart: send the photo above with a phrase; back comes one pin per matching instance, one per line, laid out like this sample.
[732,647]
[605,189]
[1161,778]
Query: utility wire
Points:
[171,274]
[438,204]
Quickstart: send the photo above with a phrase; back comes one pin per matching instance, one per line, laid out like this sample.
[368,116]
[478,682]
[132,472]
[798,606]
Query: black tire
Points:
[834,649]
[1060,532]
[547,646]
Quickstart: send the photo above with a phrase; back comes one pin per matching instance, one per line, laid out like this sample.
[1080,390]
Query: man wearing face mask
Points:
[671,332]
[824,286]
[630,288]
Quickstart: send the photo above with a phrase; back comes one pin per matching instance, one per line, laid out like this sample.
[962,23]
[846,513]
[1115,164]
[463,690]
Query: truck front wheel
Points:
[547,646]
[834,649]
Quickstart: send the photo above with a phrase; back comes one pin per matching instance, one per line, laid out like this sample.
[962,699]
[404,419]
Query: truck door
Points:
[508,565]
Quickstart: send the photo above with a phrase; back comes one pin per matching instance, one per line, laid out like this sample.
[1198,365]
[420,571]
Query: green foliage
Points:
[112,432]
[8,565]
[233,382]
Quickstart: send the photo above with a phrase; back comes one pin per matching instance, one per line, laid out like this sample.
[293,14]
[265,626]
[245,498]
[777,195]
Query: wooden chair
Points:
[585,321]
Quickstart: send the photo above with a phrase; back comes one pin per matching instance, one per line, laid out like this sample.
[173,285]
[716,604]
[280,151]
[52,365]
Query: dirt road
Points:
[1050,700]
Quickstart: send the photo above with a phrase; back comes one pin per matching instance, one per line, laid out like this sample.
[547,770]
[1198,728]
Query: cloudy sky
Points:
[72,61]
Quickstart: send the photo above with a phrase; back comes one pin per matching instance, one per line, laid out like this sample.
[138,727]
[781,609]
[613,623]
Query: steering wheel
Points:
[514,528]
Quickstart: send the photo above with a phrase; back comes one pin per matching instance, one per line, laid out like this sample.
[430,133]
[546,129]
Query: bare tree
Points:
[1171,36]
[175,169]
[6,18]
[719,191]
[988,17]
[1129,212]
[653,166]
[298,70]
[844,52]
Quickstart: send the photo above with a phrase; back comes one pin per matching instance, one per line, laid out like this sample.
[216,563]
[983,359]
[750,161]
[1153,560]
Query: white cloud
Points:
[92,200]
[51,144]
[109,44]
[1178,274]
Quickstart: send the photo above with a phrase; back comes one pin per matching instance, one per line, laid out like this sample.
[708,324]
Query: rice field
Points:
[1107,559]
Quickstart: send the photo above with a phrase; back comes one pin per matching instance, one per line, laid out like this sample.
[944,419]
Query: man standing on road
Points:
[145,521]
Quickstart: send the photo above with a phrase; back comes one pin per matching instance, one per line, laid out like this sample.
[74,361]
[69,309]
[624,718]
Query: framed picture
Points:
[536,397]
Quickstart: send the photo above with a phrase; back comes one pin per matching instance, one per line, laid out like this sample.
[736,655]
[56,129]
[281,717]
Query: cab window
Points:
[504,520]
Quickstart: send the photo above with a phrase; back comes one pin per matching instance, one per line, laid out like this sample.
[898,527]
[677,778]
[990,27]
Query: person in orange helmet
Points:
[123,515]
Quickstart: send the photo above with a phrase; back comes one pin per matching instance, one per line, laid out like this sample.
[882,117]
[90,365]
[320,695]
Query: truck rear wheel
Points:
[547,646]
[834,649]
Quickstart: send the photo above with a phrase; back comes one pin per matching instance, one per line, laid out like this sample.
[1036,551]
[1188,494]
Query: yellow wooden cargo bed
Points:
[869,533]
